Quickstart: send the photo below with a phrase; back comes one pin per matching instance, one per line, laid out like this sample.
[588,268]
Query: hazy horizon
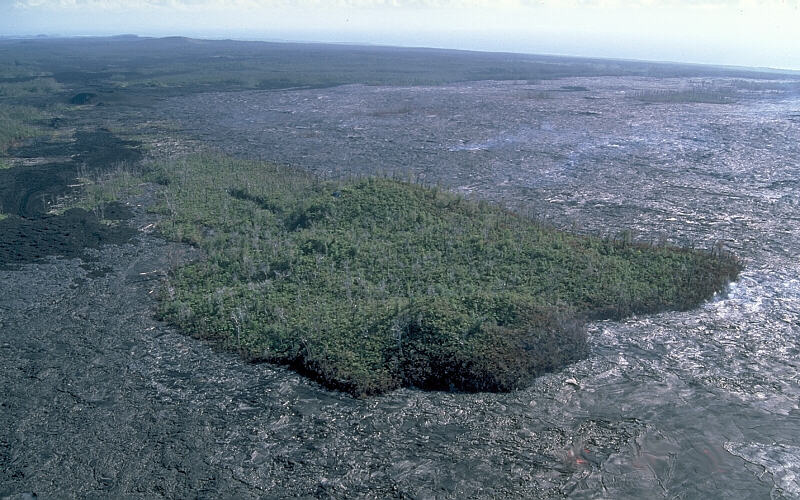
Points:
[754,33]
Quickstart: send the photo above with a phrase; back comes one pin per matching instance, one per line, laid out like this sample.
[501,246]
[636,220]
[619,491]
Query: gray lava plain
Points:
[101,400]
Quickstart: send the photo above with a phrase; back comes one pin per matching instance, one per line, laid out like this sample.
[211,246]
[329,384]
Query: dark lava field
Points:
[100,400]
[700,403]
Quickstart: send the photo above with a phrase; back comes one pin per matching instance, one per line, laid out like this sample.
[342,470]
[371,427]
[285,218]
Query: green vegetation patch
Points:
[369,285]
[104,188]
[29,87]
[16,123]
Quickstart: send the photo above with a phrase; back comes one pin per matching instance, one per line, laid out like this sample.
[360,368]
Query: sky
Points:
[761,33]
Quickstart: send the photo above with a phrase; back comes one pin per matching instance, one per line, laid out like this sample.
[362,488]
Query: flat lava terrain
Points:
[101,400]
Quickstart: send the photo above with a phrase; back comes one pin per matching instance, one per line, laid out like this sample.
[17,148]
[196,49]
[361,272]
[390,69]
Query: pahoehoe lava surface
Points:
[30,233]
[714,393]
[101,400]
[27,190]
[31,239]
